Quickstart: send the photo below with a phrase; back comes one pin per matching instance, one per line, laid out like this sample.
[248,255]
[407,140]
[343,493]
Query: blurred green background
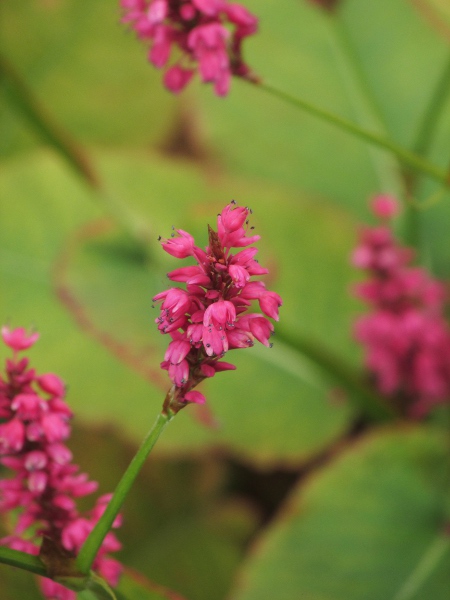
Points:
[267,492]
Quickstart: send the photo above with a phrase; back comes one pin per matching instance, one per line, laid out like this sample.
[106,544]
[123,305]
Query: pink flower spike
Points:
[17,339]
[384,206]
[12,436]
[269,303]
[176,78]
[209,318]
[179,373]
[55,591]
[233,218]
[248,23]
[177,351]
[51,384]
[207,33]
[209,8]
[195,397]
[262,329]
[239,275]
[180,247]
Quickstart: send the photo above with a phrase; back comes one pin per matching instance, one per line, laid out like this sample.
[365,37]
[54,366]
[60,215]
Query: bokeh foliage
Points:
[70,268]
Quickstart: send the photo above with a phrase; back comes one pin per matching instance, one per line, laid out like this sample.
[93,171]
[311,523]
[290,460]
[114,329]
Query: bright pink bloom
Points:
[176,78]
[17,339]
[209,318]
[205,34]
[406,337]
[44,484]
[384,207]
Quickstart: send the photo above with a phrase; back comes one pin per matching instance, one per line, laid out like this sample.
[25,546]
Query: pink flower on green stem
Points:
[203,35]
[44,485]
[406,337]
[210,317]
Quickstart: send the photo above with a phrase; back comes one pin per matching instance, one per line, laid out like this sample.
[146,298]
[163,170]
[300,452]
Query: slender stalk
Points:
[407,157]
[433,112]
[365,110]
[427,564]
[424,137]
[92,544]
[21,560]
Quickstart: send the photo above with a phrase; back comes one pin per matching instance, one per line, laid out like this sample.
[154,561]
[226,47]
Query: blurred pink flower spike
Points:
[211,316]
[206,35]
[42,490]
[17,339]
[384,206]
[406,337]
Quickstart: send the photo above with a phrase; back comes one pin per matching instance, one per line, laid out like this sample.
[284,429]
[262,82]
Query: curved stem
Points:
[424,568]
[92,544]
[22,560]
[426,131]
[433,112]
[362,102]
[407,157]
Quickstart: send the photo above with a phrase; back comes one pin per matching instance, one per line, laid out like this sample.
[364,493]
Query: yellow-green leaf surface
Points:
[134,586]
[87,69]
[368,525]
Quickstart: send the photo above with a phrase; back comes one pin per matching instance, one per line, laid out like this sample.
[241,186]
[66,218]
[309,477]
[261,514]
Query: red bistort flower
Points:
[34,425]
[210,316]
[406,337]
[207,34]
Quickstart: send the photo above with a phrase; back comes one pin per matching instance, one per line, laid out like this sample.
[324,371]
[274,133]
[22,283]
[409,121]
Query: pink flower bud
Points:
[17,339]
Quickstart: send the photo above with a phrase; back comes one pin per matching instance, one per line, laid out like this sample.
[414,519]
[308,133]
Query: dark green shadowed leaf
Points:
[361,527]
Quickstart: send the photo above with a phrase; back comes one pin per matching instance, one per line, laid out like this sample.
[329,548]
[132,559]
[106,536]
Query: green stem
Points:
[433,112]
[364,108]
[365,399]
[407,157]
[426,131]
[92,544]
[424,568]
[24,561]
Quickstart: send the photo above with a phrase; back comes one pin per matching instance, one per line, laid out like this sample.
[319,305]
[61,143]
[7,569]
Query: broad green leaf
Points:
[396,49]
[87,69]
[361,527]
[272,390]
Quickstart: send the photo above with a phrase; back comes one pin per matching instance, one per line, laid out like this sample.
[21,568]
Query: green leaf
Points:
[94,79]
[134,586]
[362,527]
